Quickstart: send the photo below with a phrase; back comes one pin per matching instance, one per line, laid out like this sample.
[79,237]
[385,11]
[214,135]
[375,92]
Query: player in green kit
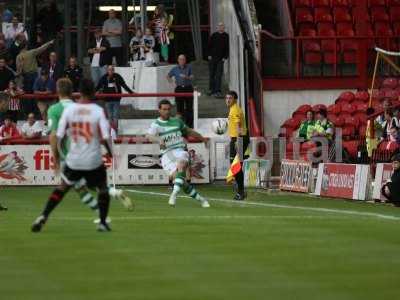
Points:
[170,133]
[64,90]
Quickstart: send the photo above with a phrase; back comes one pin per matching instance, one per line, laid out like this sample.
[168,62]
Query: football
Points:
[219,126]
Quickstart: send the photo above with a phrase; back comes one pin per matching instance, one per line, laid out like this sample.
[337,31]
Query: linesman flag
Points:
[234,169]
[370,138]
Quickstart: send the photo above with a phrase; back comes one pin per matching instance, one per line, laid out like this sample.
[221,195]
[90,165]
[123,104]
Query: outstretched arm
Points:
[191,132]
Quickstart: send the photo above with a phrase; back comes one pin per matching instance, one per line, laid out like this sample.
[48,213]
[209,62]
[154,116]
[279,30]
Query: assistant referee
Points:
[237,131]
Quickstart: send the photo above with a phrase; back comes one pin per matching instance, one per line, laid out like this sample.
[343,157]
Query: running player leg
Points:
[55,198]
[85,196]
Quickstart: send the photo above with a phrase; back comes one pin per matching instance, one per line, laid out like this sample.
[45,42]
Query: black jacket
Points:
[5,76]
[105,58]
[58,71]
[112,85]
[75,75]
[394,186]
[218,46]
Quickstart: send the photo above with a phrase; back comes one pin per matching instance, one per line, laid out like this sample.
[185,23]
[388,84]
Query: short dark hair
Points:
[164,102]
[323,112]
[396,157]
[233,94]
[86,88]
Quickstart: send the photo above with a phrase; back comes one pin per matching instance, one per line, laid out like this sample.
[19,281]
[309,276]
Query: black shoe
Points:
[239,197]
[3,207]
[38,224]
[103,227]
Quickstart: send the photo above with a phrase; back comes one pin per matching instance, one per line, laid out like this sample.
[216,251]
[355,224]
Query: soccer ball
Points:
[219,126]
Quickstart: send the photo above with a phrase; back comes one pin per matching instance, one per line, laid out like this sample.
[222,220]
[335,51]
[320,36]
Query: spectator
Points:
[5,75]
[164,40]
[388,123]
[182,73]
[14,106]
[148,44]
[74,73]
[136,46]
[5,14]
[323,127]
[15,49]
[4,51]
[99,56]
[160,17]
[391,189]
[112,30]
[50,20]
[32,128]
[112,83]
[218,52]
[386,105]
[44,85]
[54,67]
[307,127]
[9,130]
[27,64]
[15,29]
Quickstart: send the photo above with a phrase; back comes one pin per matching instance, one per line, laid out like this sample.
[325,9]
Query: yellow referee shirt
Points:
[236,121]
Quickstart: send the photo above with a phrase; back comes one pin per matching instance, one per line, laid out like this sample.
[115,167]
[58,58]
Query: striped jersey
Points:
[171,132]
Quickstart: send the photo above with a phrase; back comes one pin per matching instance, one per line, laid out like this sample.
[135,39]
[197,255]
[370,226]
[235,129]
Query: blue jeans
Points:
[112,108]
[97,73]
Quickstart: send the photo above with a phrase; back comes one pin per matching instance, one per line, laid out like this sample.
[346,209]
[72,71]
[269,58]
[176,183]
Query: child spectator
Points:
[31,129]
[14,106]
[164,40]
[9,130]
[136,46]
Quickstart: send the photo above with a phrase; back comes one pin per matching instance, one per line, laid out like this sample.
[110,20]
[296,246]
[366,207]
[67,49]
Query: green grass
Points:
[230,251]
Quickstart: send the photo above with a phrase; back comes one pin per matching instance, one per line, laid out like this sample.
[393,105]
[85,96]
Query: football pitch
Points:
[273,246]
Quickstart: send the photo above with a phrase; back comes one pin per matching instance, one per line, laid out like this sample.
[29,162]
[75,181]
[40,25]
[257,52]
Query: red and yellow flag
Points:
[234,169]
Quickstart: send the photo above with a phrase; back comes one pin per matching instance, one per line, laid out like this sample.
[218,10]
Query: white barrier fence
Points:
[135,164]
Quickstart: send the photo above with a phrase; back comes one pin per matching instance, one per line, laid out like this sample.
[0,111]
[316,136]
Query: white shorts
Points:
[169,160]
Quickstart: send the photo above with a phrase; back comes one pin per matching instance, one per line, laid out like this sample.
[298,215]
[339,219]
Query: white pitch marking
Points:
[306,208]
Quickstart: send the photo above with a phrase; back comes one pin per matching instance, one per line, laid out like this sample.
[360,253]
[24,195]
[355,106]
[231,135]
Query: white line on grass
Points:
[306,208]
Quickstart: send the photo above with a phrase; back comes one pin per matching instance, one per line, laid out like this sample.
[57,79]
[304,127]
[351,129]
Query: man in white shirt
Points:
[12,31]
[86,126]
[32,128]
[100,58]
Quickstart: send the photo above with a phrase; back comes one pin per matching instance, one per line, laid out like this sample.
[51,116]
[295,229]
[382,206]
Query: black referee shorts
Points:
[244,142]
[96,178]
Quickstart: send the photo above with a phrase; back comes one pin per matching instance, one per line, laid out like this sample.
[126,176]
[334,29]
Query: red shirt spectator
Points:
[9,130]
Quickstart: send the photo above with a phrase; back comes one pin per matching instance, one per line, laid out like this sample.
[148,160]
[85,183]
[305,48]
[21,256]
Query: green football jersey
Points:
[171,132]
[54,115]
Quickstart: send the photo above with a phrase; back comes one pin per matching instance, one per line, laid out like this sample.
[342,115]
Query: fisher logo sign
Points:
[342,181]
[296,176]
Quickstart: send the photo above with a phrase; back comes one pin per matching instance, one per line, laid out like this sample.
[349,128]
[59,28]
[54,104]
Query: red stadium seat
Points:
[362,96]
[348,131]
[299,116]
[304,108]
[362,129]
[321,15]
[307,32]
[348,44]
[291,123]
[325,26]
[378,94]
[393,3]
[341,3]
[334,109]
[321,3]
[328,44]
[341,14]
[340,26]
[379,14]
[347,108]
[302,3]
[339,121]
[361,107]
[318,107]
[390,83]
[395,13]
[304,16]
[347,96]
[391,94]
[396,28]
[351,121]
[351,147]
[361,117]
[383,29]
[333,118]
[376,3]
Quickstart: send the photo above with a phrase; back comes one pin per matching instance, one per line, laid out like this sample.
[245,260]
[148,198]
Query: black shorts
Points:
[96,178]
[245,141]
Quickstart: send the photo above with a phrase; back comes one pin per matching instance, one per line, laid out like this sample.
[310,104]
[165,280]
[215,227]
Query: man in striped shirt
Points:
[169,133]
